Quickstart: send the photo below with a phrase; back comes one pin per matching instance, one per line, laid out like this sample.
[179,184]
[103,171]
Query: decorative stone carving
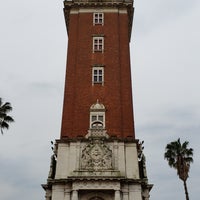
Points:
[145,194]
[96,185]
[96,156]
[141,160]
[97,133]
[52,167]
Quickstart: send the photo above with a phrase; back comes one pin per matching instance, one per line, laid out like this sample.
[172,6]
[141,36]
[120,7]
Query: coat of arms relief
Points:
[96,156]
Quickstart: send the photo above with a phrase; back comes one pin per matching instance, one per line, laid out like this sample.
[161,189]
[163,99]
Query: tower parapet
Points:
[74,5]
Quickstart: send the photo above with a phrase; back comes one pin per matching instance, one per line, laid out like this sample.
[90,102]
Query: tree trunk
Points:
[186,191]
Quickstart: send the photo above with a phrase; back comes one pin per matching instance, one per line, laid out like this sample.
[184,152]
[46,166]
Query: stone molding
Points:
[120,5]
[96,185]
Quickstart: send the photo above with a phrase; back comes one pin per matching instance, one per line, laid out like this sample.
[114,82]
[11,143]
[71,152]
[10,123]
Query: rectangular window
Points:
[98,44]
[97,120]
[98,18]
[94,118]
[100,118]
[98,75]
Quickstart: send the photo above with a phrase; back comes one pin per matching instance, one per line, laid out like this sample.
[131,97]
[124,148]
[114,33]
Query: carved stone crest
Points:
[96,156]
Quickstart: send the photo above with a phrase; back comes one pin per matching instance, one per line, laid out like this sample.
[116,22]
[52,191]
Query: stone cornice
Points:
[110,139]
[142,182]
[119,4]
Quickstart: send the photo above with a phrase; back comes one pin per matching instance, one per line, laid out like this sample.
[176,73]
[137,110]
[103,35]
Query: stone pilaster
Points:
[117,195]
[67,193]
[135,192]
[74,195]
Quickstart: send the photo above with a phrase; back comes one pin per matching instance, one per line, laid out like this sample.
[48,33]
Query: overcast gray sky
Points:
[165,58]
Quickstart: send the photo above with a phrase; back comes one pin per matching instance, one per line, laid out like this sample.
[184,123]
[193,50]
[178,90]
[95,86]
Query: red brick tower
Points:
[97,156]
[98,67]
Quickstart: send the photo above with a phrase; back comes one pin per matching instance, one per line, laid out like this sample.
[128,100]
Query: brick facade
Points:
[80,93]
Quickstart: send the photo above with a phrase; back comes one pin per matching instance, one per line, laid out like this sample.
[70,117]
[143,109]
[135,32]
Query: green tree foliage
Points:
[5,119]
[179,157]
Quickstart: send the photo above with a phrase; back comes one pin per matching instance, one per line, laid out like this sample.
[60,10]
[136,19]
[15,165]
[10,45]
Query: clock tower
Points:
[97,156]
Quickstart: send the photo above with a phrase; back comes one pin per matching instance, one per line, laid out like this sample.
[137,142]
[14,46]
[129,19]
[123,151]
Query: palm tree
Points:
[179,156]
[5,119]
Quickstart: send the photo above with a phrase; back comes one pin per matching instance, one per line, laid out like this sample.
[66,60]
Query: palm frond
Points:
[8,119]
[3,125]
[179,156]
[5,119]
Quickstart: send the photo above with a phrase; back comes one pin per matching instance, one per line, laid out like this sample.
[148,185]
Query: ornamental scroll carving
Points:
[96,156]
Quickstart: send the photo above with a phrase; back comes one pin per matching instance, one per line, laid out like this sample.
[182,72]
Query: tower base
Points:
[97,168]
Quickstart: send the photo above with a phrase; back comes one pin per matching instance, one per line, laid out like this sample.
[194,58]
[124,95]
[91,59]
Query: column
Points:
[135,192]
[125,193]
[117,195]
[57,192]
[74,195]
[67,194]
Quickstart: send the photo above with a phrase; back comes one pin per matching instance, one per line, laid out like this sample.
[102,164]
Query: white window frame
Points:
[97,78]
[98,44]
[98,18]
[97,121]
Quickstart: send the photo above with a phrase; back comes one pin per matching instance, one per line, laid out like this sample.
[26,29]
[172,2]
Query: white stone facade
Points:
[97,169]
[119,159]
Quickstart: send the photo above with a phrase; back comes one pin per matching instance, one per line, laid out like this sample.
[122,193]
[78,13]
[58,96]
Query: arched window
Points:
[96,198]
[97,116]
